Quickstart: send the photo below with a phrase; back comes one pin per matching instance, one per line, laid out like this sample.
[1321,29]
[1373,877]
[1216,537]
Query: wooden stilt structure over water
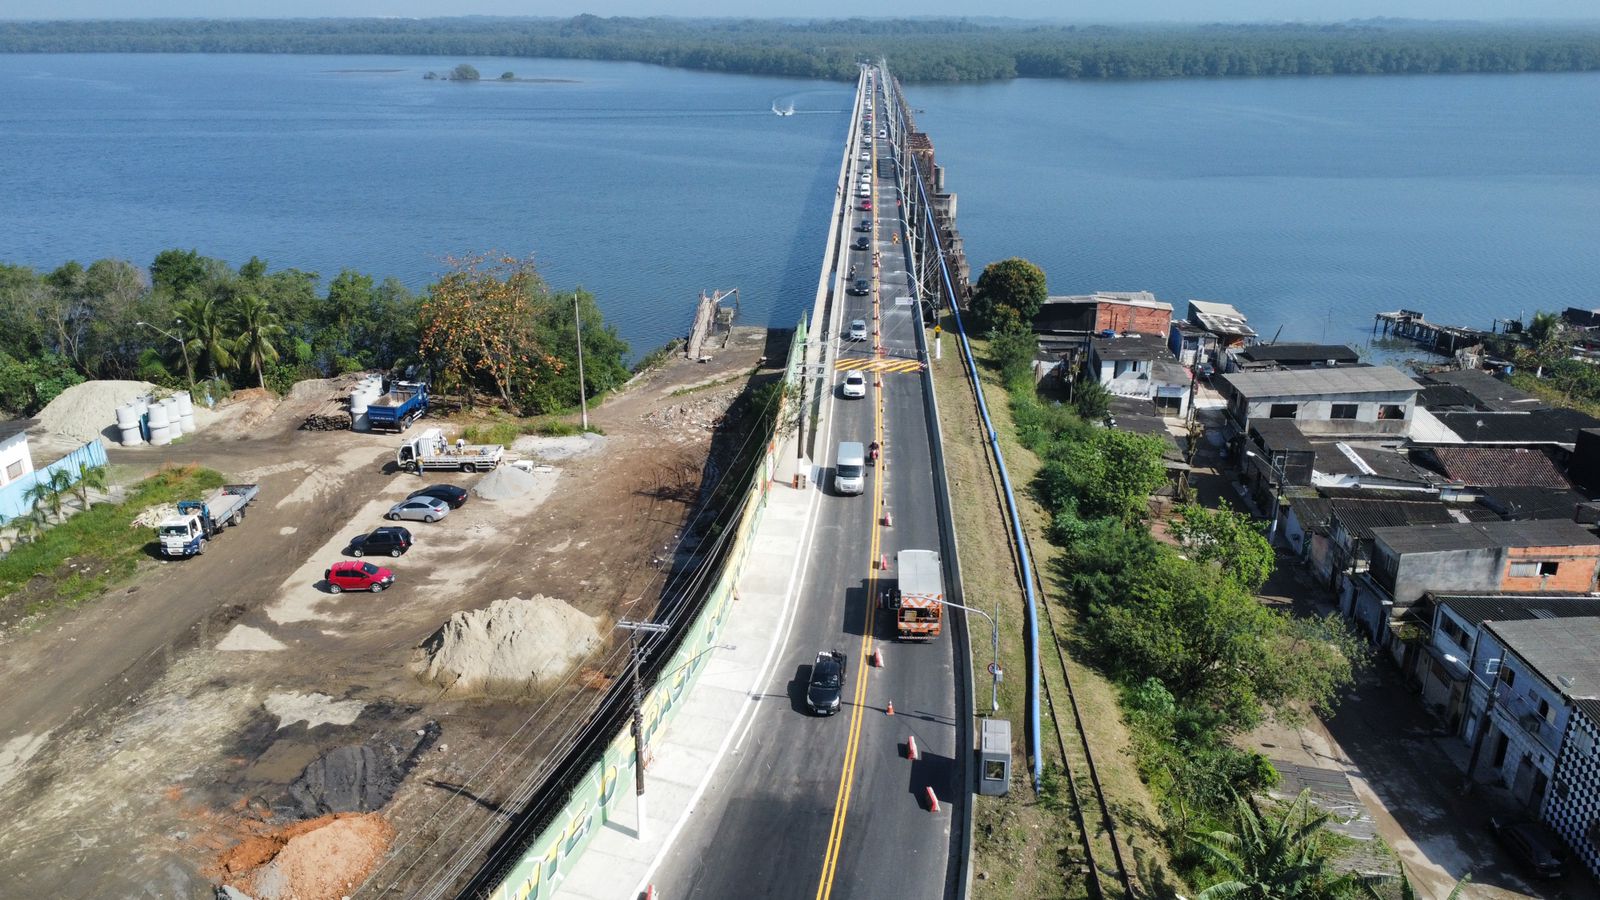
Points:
[711,318]
[1409,324]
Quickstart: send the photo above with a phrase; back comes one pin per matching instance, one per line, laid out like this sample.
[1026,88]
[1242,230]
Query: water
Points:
[644,185]
[1309,203]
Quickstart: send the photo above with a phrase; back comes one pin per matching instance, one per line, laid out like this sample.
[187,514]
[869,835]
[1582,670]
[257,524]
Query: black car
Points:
[449,493]
[391,539]
[827,683]
[862,243]
[1533,845]
[860,288]
[866,225]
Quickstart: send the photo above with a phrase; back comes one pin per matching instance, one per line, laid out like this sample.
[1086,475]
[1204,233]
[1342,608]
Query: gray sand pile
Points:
[555,449]
[508,648]
[505,483]
[360,777]
[84,411]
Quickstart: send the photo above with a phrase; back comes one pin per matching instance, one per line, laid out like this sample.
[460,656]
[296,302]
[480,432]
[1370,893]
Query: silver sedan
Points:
[419,509]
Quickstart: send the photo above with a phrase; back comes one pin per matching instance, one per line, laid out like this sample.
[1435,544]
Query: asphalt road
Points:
[831,807]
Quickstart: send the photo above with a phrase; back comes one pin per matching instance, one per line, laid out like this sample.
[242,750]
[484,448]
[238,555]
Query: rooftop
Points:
[1306,353]
[1281,434]
[1485,536]
[1516,502]
[1372,460]
[1490,392]
[1360,517]
[1131,347]
[1481,466]
[1126,298]
[1562,651]
[1443,397]
[1314,382]
[1220,318]
[1499,606]
[1538,426]
[1314,513]
[13,427]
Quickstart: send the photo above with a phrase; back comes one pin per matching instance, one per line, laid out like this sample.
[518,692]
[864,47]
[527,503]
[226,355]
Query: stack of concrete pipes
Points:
[361,397]
[159,420]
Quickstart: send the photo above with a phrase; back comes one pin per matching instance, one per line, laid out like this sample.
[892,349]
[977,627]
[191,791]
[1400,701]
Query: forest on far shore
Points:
[917,50]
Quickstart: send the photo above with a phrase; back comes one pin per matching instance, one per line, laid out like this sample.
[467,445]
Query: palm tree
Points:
[258,326]
[1267,858]
[43,493]
[1408,891]
[206,329]
[89,477]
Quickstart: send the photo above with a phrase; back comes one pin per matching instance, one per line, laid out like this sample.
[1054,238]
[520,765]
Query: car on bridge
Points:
[866,205]
[827,683]
[866,225]
[862,243]
[858,329]
[855,384]
[860,288]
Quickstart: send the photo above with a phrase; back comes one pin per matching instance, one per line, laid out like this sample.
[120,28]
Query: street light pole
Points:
[577,321]
[994,670]
[182,345]
[1280,476]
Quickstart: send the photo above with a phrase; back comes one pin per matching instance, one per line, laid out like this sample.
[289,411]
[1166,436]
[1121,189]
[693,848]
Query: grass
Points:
[658,356]
[506,431]
[79,558]
[1549,393]
[1023,845]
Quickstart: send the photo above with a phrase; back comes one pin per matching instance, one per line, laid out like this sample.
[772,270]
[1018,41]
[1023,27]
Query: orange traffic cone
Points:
[890,710]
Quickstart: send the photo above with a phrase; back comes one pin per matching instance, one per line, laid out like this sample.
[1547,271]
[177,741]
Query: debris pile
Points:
[360,777]
[328,400]
[555,449]
[507,649]
[154,515]
[325,858]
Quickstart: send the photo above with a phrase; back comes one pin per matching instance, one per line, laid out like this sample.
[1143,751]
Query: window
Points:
[14,471]
[1453,631]
[1507,677]
[994,769]
[1548,568]
[1284,410]
[1391,411]
[1534,569]
[1342,411]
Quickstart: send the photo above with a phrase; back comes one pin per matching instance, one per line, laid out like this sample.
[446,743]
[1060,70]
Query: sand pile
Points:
[506,483]
[555,449]
[508,648]
[319,859]
[85,411]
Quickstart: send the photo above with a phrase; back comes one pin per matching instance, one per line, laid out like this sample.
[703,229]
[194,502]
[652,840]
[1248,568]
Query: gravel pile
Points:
[506,483]
[86,411]
[555,449]
[506,649]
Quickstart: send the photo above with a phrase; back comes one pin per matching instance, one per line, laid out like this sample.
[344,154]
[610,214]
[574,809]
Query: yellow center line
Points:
[830,860]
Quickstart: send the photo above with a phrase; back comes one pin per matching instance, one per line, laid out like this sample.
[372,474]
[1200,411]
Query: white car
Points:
[855,384]
[858,329]
[423,509]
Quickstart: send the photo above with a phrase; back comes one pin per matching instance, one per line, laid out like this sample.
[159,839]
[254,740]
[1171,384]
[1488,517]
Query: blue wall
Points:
[13,497]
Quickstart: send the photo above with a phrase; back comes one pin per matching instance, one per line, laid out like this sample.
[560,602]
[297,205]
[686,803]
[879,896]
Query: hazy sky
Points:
[1080,10]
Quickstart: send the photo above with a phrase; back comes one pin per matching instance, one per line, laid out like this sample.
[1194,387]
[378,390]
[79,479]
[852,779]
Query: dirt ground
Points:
[145,734]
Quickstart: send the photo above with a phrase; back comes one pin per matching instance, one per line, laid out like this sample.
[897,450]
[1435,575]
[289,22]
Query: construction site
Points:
[228,721]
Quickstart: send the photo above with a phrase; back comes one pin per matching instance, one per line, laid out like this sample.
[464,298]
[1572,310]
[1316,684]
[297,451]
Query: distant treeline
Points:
[917,50]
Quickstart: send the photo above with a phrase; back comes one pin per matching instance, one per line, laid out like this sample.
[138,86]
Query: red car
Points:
[866,204]
[355,575]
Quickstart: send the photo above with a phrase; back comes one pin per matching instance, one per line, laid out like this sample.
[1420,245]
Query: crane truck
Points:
[198,521]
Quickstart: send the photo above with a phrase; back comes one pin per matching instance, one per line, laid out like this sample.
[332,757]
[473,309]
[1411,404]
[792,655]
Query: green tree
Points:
[258,327]
[207,330]
[1229,539]
[464,72]
[1091,399]
[89,478]
[1010,284]
[1266,857]
[1013,347]
[1112,473]
[177,271]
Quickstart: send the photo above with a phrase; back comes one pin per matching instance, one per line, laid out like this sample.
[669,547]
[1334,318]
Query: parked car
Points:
[862,243]
[419,509]
[860,287]
[827,683]
[855,384]
[1533,845]
[865,225]
[449,493]
[390,539]
[858,329]
[355,575]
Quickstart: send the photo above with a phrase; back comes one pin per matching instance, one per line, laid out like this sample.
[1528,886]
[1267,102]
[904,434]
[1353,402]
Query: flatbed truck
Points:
[429,450]
[198,521]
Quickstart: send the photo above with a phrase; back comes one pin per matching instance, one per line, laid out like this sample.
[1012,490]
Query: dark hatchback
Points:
[862,243]
[827,683]
[449,493]
[866,225]
[860,288]
[392,540]
[1534,846]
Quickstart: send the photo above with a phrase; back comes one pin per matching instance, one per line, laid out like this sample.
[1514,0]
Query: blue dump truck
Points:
[197,521]
[395,411]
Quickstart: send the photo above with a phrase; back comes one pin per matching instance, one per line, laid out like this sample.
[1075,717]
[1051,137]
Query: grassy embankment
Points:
[1026,846]
[76,560]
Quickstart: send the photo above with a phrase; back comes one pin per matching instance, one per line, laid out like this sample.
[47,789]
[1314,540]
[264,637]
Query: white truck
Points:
[918,598]
[198,521]
[429,450]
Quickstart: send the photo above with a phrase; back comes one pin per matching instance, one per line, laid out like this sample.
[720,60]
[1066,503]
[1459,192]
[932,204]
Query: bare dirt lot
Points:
[185,728]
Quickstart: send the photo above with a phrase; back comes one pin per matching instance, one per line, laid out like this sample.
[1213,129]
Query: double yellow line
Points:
[841,805]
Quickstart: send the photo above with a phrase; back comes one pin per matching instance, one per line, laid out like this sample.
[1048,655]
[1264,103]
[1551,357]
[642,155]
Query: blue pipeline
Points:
[1005,477]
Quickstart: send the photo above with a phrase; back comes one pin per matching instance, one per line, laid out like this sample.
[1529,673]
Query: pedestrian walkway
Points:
[684,756]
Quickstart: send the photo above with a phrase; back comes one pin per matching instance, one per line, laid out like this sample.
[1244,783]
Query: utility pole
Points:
[638,710]
[1482,730]
[583,400]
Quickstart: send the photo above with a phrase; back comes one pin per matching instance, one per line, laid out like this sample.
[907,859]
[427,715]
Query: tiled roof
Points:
[1480,466]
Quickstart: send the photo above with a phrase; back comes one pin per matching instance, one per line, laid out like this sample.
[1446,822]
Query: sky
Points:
[1071,10]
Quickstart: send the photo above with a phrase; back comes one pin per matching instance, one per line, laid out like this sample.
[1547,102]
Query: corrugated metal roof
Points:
[1485,536]
[1489,391]
[1361,517]
[1500,606]
[1519,502]
[1221,318]
[1539,426]
[1299,353]
[1311,382]
[1562,651]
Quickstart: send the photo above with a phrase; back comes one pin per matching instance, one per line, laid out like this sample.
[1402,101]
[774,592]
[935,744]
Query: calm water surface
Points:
[1310,203]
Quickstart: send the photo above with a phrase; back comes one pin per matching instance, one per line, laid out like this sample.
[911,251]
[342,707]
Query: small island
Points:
[463,72]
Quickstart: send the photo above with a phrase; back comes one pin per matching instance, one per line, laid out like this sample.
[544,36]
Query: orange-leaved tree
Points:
[478,325]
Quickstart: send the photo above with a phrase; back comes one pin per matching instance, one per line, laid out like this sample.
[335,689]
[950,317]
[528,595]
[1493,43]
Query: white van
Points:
[850,468]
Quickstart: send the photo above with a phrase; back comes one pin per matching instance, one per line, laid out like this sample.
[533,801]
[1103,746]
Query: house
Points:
[1371,466]
[1408,562]
[1224,323]
[1520,503]
[1305,528]
[15,458]
[1474,389]
[1535,670]
[1474,466]
[1139,366]
[1367,400]
[1133,312]
[1456,624]
[1276,456]
[1572,809]
[1352,522]
[1267,357]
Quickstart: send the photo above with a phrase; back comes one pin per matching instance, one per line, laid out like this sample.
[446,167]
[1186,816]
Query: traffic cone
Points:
[911,749]
[933,800]
[877,658]
[888,521]
[890,710]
